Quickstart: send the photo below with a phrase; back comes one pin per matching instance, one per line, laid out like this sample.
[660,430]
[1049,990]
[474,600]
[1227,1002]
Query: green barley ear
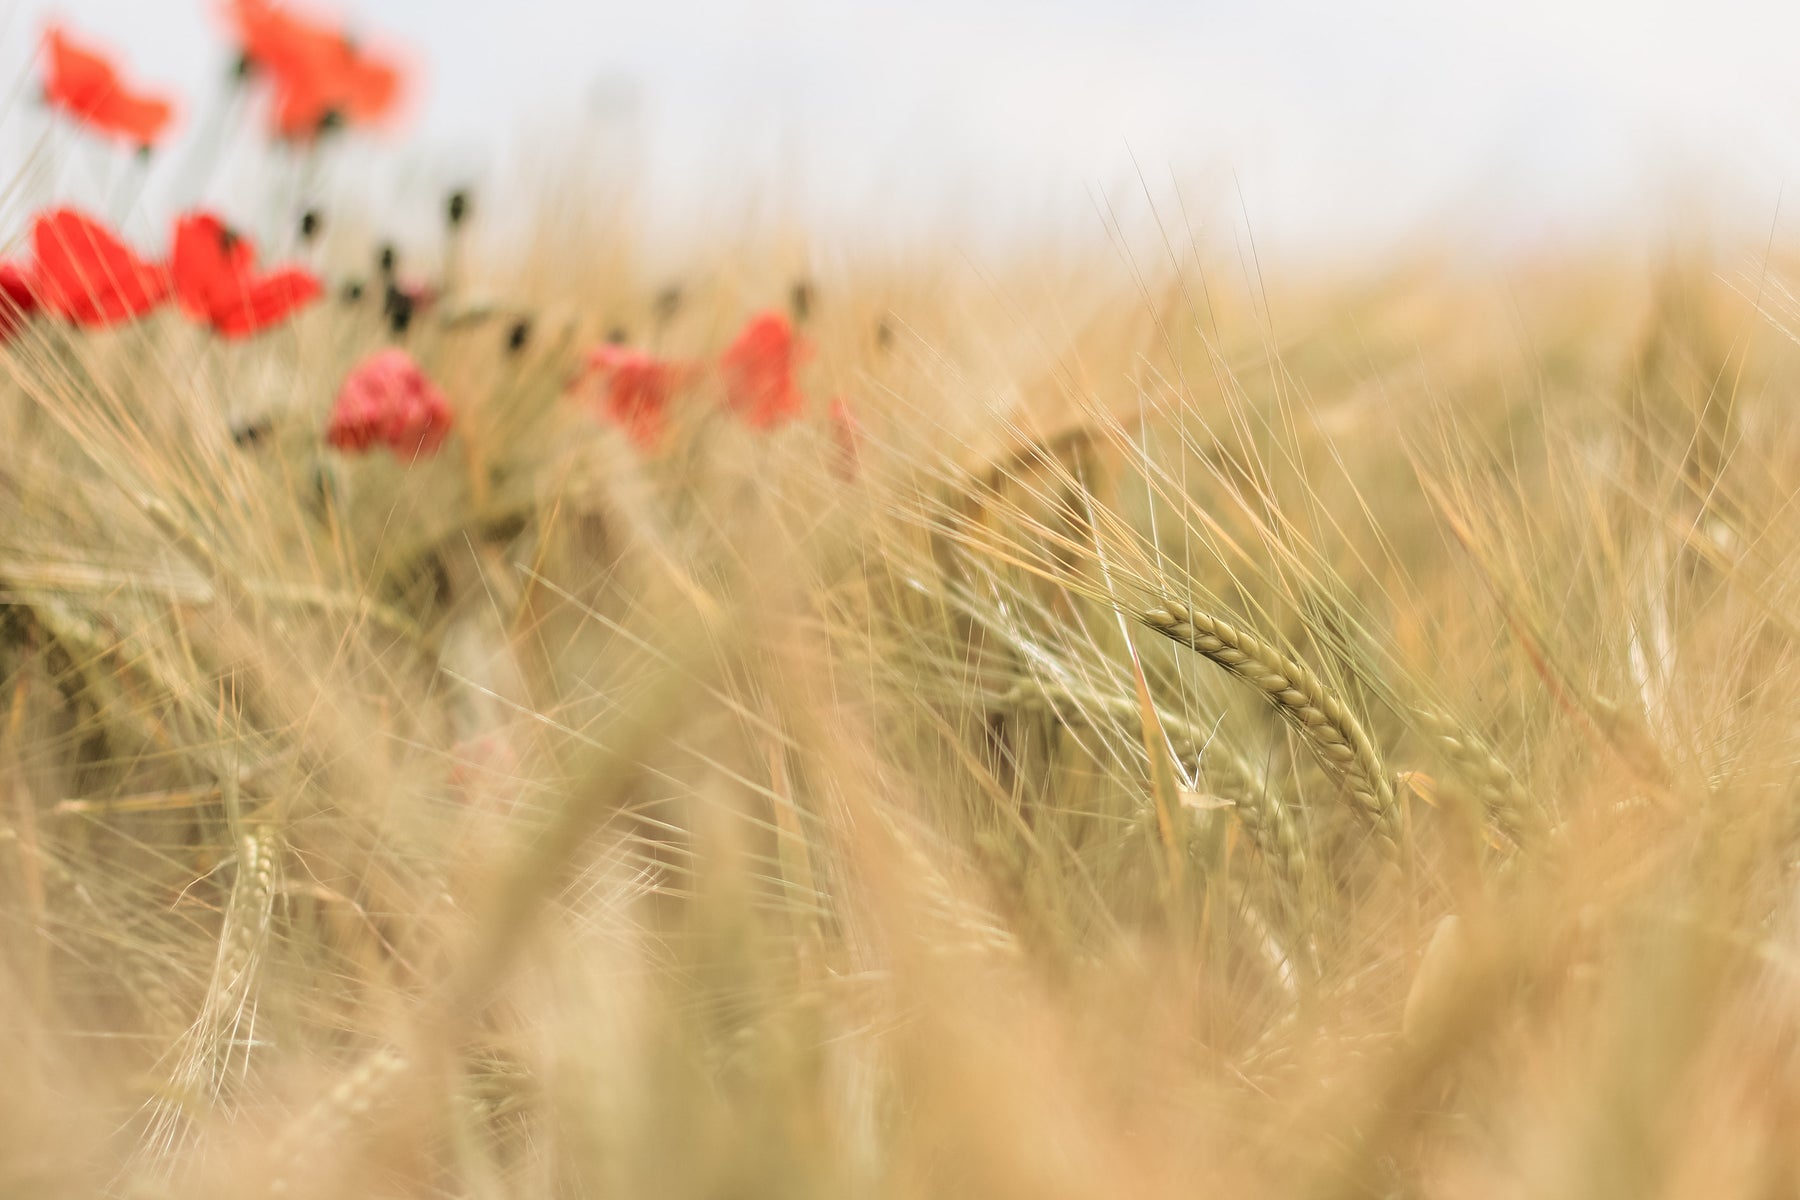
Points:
[1503,799]
[1334,735]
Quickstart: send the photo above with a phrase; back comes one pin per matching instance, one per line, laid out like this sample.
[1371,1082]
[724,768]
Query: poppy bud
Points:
[884,334]
[244,67]
[352,291]
[518,335]
[668,303]
[616,336]
[324,488]
[311,222]
[800,299]
[386,258]
[252,432]
[398,307]
[456,208]
[442,590]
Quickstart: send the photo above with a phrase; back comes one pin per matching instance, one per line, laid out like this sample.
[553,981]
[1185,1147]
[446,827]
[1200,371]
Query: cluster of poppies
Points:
[633,388]
[387,400]
[83,273]
[318,78]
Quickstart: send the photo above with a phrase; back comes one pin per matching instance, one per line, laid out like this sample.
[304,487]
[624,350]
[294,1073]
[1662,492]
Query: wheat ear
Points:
[1495,785]
[334,1117]
[1300,697]
[1270,827]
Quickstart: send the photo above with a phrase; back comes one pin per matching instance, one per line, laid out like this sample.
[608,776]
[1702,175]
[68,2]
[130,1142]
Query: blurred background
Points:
[1334,129]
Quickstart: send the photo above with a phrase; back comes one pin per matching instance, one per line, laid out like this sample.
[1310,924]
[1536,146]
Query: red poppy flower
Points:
[759,371]
[18,298]
[277,39]
[638,387]
[387,400]
[87,87]
[87,276]
[214,271]
[319,74]
[350,88]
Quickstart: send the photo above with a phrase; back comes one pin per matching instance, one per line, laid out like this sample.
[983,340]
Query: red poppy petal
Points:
[387,399]
[281,40]
[88,276]
[87,86]
[77,77]
[18,298]
[215,280]
[267,301]
[302,103]
[758,368]
[371,88]
[316,70]
[635,390]
[140,118]
[210,263]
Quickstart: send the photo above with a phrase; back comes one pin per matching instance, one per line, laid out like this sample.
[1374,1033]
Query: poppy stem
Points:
[456,221]
[311,180]
[127,184]
[453,256]
[201,161]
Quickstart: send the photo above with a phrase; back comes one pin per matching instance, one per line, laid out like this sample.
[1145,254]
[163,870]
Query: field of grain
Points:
[1121,725]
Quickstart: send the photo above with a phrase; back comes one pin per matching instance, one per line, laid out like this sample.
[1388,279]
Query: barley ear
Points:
[1334,735]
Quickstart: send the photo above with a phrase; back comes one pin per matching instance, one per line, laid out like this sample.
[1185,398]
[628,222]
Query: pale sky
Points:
[1338,124]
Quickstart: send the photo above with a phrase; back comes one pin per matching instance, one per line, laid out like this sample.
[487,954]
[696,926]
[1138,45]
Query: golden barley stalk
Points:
[334,1116]
[1302,698]
[1267,822]
[1494,783]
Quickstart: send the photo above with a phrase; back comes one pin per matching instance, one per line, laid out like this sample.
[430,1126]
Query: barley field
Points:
[501,720]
